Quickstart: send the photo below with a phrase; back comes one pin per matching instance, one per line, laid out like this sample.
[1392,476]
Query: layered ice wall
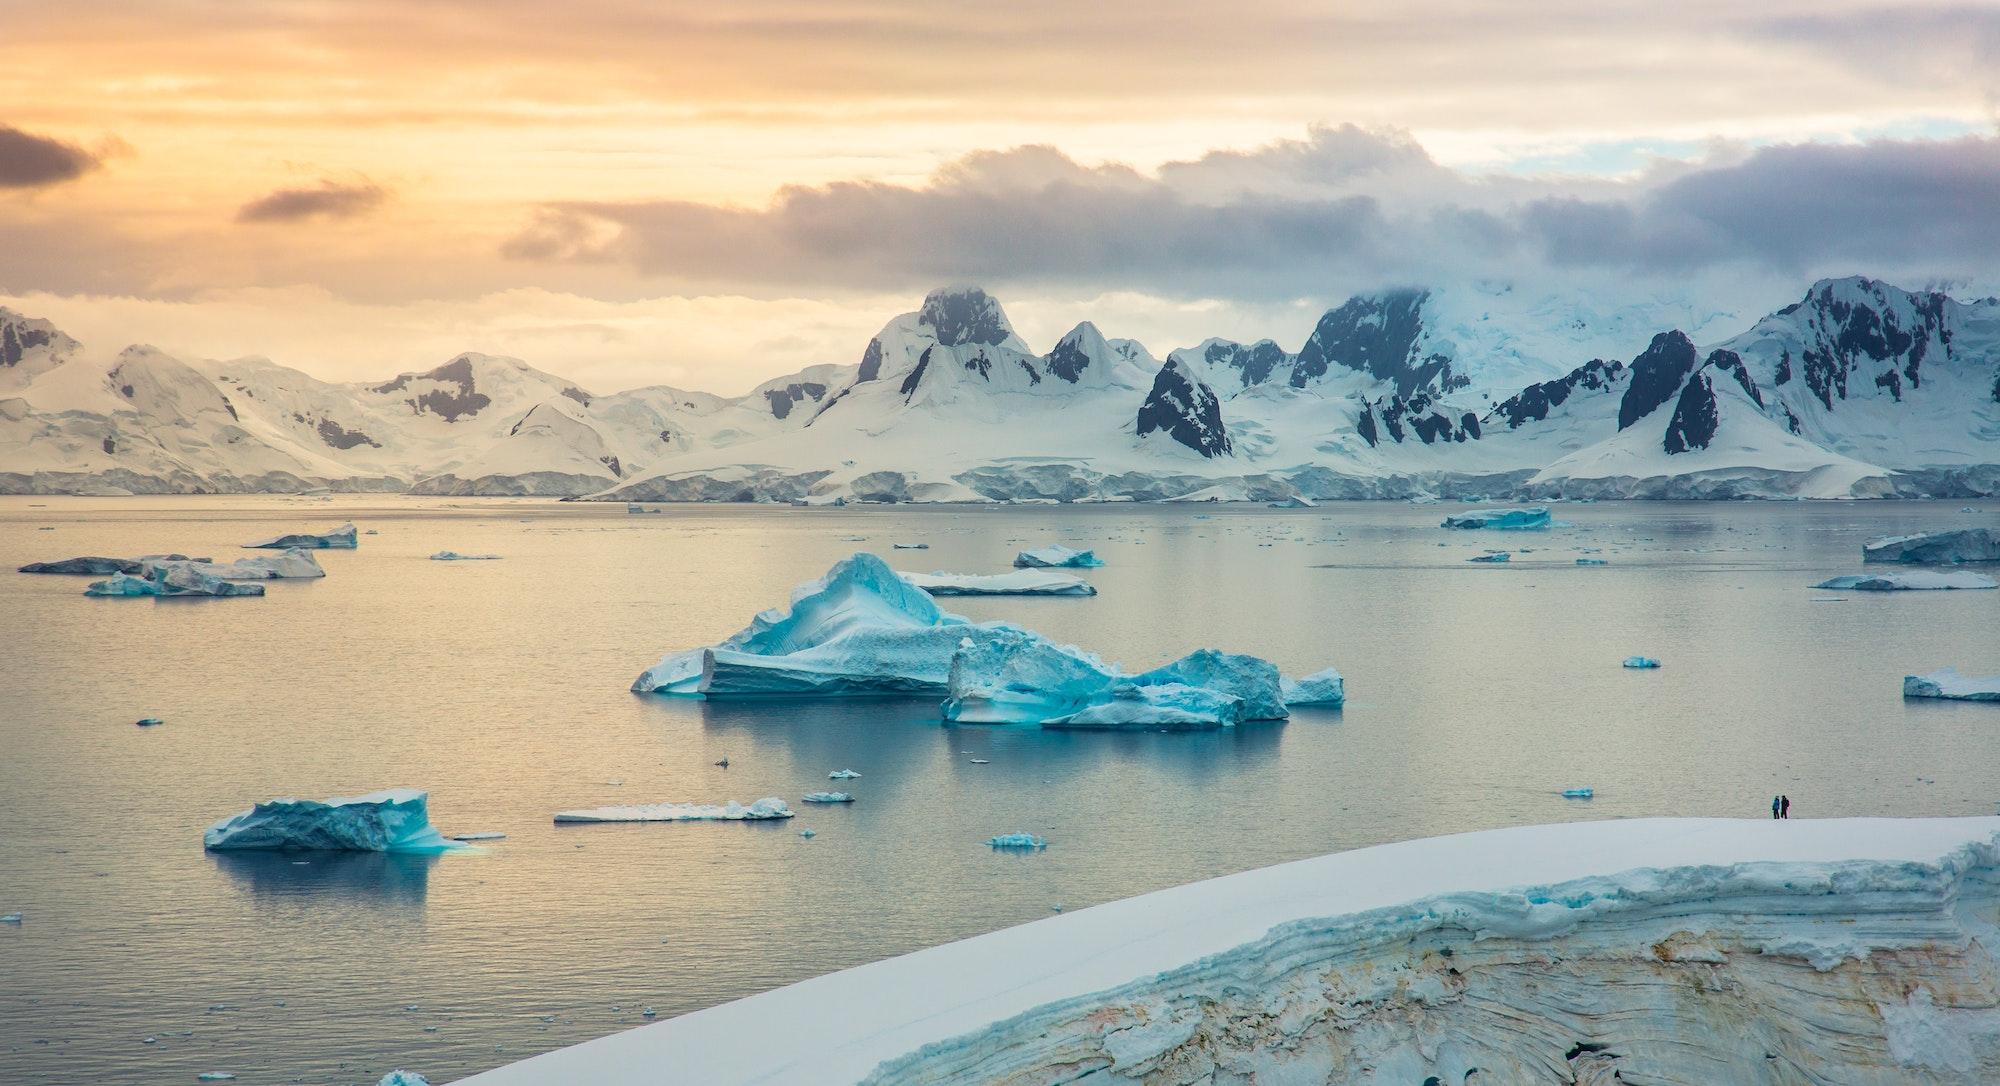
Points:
[1687,951]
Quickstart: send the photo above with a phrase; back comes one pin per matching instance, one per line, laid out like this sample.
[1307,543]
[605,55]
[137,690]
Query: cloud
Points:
[330,199]
[28,161]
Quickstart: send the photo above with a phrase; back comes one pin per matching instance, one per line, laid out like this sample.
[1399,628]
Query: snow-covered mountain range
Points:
[1860,389]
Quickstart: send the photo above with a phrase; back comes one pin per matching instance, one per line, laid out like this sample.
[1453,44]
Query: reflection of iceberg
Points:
[1021,582]
[1915,581]
[1534,517]
[342,538]
[1057,556]
[1936,548]
[769,807]
[1952,686]
[390,878]
[394,820]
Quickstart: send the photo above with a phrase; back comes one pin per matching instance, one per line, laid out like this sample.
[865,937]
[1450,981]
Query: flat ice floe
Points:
[98,566]
[454,556]
[1057,556]
[770,807]
[395,820]
[1021,582]
[341,538]
[1635,950]
[1917,581]
[1641,663]
[1952,686]
[1936,548]
[1532,517]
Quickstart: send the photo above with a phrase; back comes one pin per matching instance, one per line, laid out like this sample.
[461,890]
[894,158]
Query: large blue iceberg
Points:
[396,820]
[1533,517]
[341,538]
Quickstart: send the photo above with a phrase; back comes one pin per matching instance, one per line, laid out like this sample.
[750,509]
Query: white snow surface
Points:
[1124,984]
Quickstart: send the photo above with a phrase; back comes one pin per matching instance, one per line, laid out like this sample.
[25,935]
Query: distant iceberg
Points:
[1495,558]
[1578,793]
[396,820]
[1019,677]
[909,546]
[1018,840]
[1296,501]
[1021,582]
[1915,581]
[454,556]
[341,538]
[1533,517]
[1591,562]
[1641,662]
[181,580]
[1952,686]
[96,566]
[842,775]
[828,797]
[770,807]
[1057,556]
[1321,688]
[1936,548]
[293,564]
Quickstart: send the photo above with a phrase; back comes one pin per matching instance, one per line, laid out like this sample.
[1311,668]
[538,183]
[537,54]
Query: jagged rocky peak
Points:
[1657,376]
[1698,412]
[1381,335]
[961,315]
[1075,354]
[1182,406]
[1419,415]
[1858,327]
[1252,364]
[1533,404]
[29,346]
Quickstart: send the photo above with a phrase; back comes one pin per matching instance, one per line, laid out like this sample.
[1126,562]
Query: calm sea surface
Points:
[1476,693]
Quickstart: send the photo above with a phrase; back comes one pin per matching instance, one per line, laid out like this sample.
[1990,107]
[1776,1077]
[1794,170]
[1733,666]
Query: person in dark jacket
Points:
[1776,805]
[1784,806]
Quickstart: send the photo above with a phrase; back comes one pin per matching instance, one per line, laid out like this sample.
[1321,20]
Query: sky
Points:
[628,192]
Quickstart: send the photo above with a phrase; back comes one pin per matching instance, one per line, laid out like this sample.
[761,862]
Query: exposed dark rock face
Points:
[1657,374]
[964,316]
[1533,404]
[1365,425]
[110,446]
[16,340]
[871,362]
[916,376]
[340,437]
[1186,409]
[1695,416]
[1034,375]
[1416,415]
[1067,361]
[612,463]
[1856,327]
[444,403]
[1731,363]
[782,399]
[577,394]
[981,365]
[1253,364]
[1378,335]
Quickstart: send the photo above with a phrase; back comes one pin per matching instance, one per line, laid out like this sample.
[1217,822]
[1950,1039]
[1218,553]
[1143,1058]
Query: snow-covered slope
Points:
[1643,950]
[1858,390]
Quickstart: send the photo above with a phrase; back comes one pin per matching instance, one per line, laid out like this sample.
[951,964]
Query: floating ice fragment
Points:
[982,761]
[1024,582]
[828,797]
[405,1078]
[395,820]
[910,546]
[1496,557]
[842,775]
[1952,686]
[341,538]
[149,722]
[10,918]
[1534,517]
[1641,662]
[770,807]
[808,833]
[1324,688]
[1018,840]
[478,836]
[180,581]
[1578,793]
[214,1076]
[1915,581]
[1591,562]
[1057,556]
[454,556]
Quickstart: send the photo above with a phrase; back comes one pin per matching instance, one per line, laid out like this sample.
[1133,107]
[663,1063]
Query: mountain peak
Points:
[961,315]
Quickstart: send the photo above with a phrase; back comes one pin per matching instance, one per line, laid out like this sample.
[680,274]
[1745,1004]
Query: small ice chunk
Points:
[1022,582]
[1532,517]
[842,775]
[1496,557]
[1057,556]
[214,1076]
[910,546]
[769,807]
[487,836]
[1018,840]
[1592,562]
[808,833]
[1641,662]
[149,722]
[454,556]
[10,918]
[341,538]
[394,820]
[1578,793]
[1325,688]
[1914,581]
[828,797]
[404,1078]
[648,1012]
[1952,686]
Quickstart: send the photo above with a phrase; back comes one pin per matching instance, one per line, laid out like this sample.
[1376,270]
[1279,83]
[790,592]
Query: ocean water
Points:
[1477,692]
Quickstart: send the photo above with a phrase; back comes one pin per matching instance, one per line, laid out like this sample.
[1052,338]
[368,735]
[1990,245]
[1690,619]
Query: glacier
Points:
[768,808]
[1021,582]
[394,820]
[1950,685]
[1921,580]
[1057,556]
[1672,950]
[1536,517]
[1936,548]
[341,538]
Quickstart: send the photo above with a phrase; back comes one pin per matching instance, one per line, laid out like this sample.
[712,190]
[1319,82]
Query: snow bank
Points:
[1057,556]
[1534,517]
[769,807]
[1921,580]
[396,820]
[1021,582]
[341,538]
[1654,950]
[1949,684]
[1936,548]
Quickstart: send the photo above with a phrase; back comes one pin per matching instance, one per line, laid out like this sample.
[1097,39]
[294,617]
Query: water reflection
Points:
[378,879]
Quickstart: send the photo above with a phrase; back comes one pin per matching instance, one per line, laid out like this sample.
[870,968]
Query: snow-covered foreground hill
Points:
[1647,950]
[1860,389]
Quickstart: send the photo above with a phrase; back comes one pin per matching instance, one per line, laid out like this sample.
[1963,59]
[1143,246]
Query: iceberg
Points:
[1168,705]
[828,797]
[395,820]
[1021,582]
[1296,501]
[1917,581]
[1496,557]
[1591,562]
[842,775]
[1324,688]
[294,564]
[1018,840]
[1936,548]
[1532,517]
[149,722]
[1641,662]
[1578,793]
[1017,677]
[341,538]
[177,581]
[94,566]
[1252,681]
[403,1078]
[1057,556]
[1952,686]
[770,807]
[910,546]
[454,556]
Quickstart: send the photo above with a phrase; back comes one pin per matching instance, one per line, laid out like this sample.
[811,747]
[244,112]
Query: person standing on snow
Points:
[1784,806]
[1776,804]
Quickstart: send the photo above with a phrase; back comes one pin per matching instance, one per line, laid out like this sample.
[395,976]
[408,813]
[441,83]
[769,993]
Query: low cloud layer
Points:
[1341,206]
[28,161]
[329,199]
